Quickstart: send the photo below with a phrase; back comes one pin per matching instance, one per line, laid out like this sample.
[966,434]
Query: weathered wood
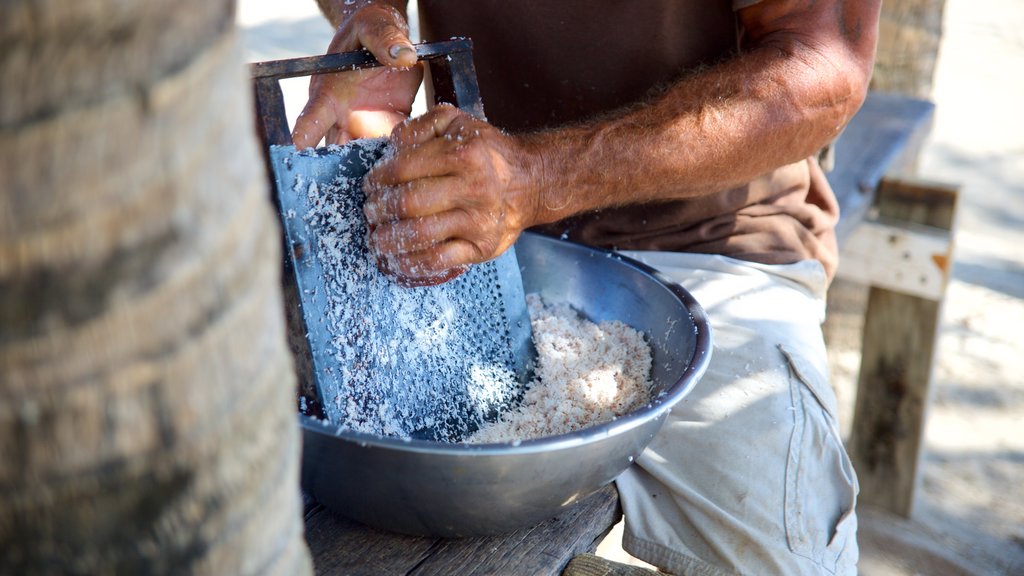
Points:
[591,565]
[341,546]
[147,417]
[918,200]
[904,258]
[909,33]
[898,348]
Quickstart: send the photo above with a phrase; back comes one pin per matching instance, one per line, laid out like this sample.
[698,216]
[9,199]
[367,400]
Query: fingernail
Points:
[398,50]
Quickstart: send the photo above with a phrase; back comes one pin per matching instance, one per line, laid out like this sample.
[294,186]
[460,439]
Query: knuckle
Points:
[478,251]
[489,245]
[394,18]
[378,24]
[482,242]
[446,256]
[403,132]
[471,151]
[400,201]
[460,154]
[345,38]
[476,147]
[444,108]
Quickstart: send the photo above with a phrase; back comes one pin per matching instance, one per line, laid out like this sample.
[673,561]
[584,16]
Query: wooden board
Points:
[897,356]
[342,546]
[905,258]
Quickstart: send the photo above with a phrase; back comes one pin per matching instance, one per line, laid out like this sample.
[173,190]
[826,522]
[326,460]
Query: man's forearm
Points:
[721,127]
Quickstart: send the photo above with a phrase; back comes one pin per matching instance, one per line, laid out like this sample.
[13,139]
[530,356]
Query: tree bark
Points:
[147,402]
[908,46]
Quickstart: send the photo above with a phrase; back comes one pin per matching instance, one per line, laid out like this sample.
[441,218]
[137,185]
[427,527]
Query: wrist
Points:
[552,185]
[533,181]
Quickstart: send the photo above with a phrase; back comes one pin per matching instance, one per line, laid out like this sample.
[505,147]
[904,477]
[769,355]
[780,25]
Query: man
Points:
[685,134]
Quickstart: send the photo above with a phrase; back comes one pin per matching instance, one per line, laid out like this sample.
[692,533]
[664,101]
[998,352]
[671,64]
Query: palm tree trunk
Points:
[147,403]
[908,46]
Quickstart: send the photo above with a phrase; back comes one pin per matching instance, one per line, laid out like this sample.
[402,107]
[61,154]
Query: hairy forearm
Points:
[723,126]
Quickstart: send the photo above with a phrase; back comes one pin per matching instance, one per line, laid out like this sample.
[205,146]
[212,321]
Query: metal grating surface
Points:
[428,362]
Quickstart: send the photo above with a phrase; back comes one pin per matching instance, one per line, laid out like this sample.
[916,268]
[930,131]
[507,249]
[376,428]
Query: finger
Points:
[420,130]
[447,276]
[384,32]
[412,200]
[413,282]
[435,262]
[313,123]
[407,236]
[424,147]
[432,159]
[417,199]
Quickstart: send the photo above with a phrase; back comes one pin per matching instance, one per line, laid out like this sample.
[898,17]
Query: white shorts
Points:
[749,474]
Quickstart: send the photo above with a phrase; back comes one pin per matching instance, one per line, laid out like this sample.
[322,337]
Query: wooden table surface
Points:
[344,547]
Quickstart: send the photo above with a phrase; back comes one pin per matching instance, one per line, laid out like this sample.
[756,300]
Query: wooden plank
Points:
[897,356]
[342,546]
[872,143]
[904,258]
[542,550]
[593,565]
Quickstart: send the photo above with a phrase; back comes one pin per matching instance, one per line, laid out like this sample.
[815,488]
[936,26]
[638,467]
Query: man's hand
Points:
[363,103]
[457,192]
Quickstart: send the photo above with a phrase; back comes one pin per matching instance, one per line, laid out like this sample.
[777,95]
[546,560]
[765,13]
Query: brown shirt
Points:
[549,63]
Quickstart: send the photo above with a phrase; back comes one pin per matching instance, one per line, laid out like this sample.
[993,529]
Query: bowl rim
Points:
[657,408]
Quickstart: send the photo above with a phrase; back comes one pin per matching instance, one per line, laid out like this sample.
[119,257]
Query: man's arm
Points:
[802,74]
[458,191]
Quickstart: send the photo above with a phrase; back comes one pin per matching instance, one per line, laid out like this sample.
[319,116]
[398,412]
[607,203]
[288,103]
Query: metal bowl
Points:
[454,490]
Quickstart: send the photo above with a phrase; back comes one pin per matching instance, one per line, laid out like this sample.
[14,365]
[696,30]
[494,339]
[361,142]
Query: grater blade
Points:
[431,362]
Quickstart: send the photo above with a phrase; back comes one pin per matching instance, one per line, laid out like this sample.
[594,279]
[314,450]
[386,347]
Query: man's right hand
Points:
[363,103]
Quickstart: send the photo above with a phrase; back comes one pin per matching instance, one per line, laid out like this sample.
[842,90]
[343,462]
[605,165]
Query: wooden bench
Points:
[873,142]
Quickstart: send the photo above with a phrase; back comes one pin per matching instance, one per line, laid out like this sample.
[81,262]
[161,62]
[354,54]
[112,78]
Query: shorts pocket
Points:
[821,487]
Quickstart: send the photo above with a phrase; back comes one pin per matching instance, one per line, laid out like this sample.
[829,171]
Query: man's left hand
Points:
[456,192]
